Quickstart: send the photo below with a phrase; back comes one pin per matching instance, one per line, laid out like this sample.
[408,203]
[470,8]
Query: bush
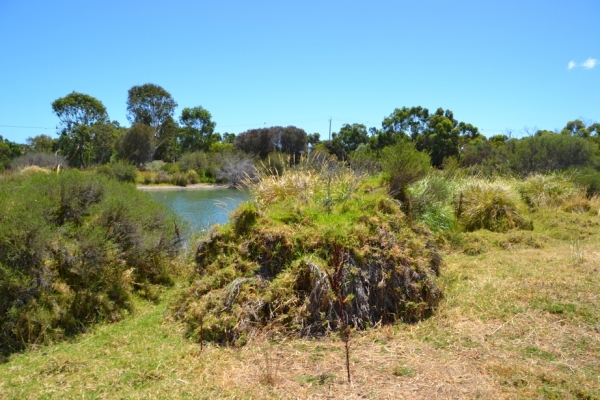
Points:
[494,206]
[179,179]
[192,177]
[44,160]
[197,161]
[124,172]
[162,177]
[73,247]
[171,168]
[548,191]
[404,165]
[106,170]
[154,166]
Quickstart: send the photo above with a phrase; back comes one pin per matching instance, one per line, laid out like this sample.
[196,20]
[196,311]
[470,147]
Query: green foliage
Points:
[269,265]
[404,165]
[154,166]
[82,118]
[548,191]
[197,161]
[551,152]
[197,132]
[137,144]
[73,247]
[431,200]
[123,171]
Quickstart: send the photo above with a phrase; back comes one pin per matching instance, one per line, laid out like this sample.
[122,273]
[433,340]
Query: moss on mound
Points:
[274,264]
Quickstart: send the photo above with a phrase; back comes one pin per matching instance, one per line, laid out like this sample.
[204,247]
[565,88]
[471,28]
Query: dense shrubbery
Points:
[73,247]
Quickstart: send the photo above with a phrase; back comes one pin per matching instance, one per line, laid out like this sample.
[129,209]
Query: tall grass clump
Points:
[549,190]
[431,200]
[271,266]
[492,205]
[73,248]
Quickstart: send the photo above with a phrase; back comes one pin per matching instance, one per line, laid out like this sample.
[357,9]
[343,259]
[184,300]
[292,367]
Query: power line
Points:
[24,127]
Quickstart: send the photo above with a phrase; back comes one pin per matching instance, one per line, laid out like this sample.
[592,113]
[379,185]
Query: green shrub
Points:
[197,161]
[548,191]
[106,170]
[171,168]
[162,177]
[404,164]
[124,172]
[154,166]
[73,247]
[588,178]
[179,179]
[192,177]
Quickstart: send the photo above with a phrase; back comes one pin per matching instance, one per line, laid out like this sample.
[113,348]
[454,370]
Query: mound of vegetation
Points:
[317,249]
[73,247]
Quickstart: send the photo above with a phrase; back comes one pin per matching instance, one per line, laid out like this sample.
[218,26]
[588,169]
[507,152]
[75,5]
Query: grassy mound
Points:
[317,249]
[73,247]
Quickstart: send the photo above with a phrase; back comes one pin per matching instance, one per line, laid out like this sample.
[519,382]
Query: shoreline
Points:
[196,186]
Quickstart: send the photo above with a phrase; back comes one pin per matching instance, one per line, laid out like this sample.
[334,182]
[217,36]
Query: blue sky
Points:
[496,64]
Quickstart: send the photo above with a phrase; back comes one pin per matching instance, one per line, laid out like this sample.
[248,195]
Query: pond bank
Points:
[197,186]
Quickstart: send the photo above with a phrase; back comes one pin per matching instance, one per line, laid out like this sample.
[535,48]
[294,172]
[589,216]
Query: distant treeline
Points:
[87,137]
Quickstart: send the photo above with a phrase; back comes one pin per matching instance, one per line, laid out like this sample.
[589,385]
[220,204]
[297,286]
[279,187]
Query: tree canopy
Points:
[152,105]
[197,131]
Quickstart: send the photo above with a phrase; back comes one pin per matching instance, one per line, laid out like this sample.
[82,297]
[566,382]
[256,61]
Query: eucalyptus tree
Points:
[78,114]
[152,105]
[197,131]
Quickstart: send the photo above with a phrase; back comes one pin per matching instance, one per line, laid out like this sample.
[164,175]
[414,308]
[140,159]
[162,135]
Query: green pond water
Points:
[201,208]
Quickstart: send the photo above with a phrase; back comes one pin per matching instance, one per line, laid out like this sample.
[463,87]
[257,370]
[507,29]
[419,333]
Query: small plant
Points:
[577,250]
[336,283]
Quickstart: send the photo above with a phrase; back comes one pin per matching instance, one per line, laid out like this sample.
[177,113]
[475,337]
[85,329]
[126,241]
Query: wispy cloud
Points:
[572,64]
[589,63]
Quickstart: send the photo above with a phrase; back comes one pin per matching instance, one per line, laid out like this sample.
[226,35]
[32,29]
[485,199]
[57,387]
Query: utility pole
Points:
[329,128]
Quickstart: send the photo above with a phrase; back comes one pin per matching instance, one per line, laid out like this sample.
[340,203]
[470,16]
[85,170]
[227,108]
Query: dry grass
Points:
[517,323]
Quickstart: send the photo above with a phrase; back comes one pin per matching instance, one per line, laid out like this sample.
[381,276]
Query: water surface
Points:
[201,208]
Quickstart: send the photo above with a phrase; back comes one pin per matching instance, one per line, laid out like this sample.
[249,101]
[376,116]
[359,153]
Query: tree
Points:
[8,151]
[292,141]
[352,136]
[152,105]
[440,139]
[104,141]
[197,132]
[77,113]
[136,144]
[576,128]
[41,144]
[406,122]
[228,138]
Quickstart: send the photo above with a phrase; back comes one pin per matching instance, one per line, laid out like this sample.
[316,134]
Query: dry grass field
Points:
[520,318]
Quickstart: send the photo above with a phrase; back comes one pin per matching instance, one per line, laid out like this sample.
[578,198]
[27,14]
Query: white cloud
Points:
[589,63]
[572,64]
